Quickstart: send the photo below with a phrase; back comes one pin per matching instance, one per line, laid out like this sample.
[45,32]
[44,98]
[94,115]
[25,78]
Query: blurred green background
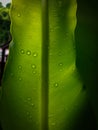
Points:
[5,36]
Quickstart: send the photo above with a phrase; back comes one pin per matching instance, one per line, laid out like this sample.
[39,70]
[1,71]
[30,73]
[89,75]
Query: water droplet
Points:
[52,29]
[50,54]
[19,67]
[60,64]
[34,72]
[53,124]
[61,70]
[28,52]
[60,3]
[19,15]
[28,113]
[35,54]
[32,105]
[56,84]
[33,66]
[12,74]
[22,51]
[29,99]
[20,78]
[30,117]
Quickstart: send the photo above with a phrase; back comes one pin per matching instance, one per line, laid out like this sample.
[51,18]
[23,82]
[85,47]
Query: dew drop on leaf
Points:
[22,51]
[60,64]
[20,78]
[60,3]
[52,29]
[56,85]
[61,70]
[19,15]
[34,72]
[33,66]
[28,52]
[12,74]
[53,124]
[28,113]
[30,117]
[60,54]
[19,67]
[32,105]
[50,54]
[29,99]
[35,54]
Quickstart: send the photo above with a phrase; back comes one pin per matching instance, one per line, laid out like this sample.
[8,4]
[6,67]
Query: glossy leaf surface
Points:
[22,90]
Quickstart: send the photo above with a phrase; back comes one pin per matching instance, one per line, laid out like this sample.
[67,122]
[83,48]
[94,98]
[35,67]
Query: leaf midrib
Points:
[45,66]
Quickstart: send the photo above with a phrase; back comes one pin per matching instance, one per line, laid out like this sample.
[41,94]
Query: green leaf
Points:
[42,53]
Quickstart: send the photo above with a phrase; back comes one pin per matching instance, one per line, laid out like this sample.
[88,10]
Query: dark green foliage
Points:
[86,36]
[4,25]
[1,5]
[8,5]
